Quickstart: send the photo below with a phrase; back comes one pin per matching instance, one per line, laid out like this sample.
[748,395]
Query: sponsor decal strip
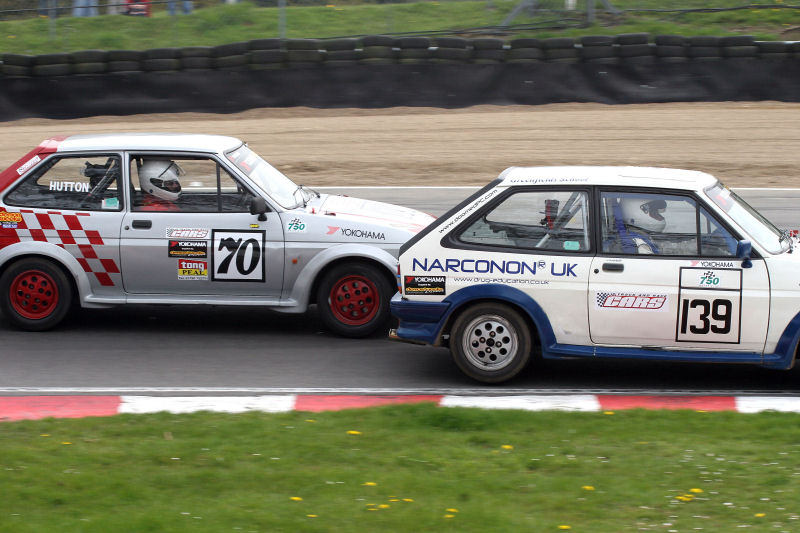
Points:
[77,406]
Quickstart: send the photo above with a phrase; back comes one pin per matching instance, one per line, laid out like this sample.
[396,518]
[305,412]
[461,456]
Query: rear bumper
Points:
[420,322]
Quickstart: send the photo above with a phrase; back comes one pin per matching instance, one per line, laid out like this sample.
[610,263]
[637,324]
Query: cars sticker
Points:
[296,225]
[187,233]
[425,285]
[28,164]
[194,249]
[628,300]
[69,186]
[709,305]
[191,269]
[238,255]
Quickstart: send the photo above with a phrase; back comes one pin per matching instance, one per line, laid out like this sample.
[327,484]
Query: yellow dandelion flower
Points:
[384,506]
[296,499]
[394,499]
[66,443]
[451,510]
[587,487]
[507,447]
[44,435]
[696,491]
[449,516]
[760,515]
[311,515]
[330,5]
[353,432]
[564,526]
[372,509]
[369,484]
[310,420]
[609,413]
[409,500]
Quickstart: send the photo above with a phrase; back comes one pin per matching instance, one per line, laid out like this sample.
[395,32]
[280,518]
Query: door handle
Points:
[142,224]
[613,267]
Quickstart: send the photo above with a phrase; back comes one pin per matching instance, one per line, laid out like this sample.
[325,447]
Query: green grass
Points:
[239,22]
[409,468]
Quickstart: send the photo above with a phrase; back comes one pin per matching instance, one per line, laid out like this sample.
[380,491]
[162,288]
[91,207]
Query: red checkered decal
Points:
[69,234]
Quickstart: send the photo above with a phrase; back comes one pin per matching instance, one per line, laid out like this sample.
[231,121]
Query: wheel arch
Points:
[527,307]
[305,286]
[48,252]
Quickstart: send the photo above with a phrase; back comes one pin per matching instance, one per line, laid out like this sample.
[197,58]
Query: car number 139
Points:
[238,255]
[709,310]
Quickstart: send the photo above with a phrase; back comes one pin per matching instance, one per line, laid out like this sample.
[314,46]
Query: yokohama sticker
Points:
[186,249]
[425,285]
[192,270]
[639,302]
[187,233]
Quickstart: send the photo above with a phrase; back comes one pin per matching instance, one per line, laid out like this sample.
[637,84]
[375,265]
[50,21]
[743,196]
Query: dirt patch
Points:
[744,144]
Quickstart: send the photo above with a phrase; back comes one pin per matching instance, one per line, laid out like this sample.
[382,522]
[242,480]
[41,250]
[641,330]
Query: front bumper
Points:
[420,322]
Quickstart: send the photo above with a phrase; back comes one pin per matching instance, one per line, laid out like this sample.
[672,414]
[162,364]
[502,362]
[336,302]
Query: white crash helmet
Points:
[644,213]
[159,177]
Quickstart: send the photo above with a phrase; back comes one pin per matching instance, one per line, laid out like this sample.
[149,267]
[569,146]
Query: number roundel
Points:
[238,255]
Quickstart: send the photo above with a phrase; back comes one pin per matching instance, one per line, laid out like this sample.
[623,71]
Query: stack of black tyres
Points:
[161,60]
[124,61]
[598,49]
[450,50]
[738,47]
[17,65]
[635,48]
[488,51]
[197,58]
[88,62]
[48,65]
[671,48]
[705,48]
[343,51]
[525,50]
[304,53]
[231,56]
[377,49]
[774,50]
[560,50]
[413,50]
[266,54]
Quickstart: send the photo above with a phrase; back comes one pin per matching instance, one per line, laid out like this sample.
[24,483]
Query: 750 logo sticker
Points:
[238,255]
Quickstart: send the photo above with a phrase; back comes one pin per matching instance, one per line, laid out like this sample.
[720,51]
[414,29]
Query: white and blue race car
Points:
[624,262]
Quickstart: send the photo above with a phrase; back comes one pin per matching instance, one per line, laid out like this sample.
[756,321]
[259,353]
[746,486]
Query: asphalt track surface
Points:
[173,350]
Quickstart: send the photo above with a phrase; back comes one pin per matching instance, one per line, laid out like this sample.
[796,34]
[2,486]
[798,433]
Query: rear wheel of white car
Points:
[353,300]
[34,294]
[490,342]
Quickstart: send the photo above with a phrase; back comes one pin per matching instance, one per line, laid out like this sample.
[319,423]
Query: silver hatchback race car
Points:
[188,219]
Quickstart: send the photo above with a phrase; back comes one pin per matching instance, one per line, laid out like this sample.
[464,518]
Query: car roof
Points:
[666,178]
[179,142]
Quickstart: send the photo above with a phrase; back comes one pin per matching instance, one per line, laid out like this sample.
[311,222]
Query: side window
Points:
[188,185]
[715,240]
[87,183]
[534,220]
[660,224]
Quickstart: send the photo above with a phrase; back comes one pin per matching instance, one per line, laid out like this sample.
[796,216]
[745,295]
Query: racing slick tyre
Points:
[35,294]
[490,342]
[353,300]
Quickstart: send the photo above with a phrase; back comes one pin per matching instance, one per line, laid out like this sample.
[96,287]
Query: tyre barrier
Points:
[270,54]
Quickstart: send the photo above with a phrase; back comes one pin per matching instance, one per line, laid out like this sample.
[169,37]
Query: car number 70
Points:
[238,255]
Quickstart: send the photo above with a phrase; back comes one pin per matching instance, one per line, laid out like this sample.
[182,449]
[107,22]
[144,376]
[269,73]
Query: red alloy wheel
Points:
[34,294]
[354,300]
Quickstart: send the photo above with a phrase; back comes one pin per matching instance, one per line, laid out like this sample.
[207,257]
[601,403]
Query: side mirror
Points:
[744,250]
[258,206]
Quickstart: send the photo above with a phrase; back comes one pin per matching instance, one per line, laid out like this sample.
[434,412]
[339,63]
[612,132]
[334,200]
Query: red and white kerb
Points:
[66,231]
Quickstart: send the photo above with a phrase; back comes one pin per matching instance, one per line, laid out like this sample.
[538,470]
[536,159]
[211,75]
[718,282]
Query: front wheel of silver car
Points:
[490,342]
[353,300]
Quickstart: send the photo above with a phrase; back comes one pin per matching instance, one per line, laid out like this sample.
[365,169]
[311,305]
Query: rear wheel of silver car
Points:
[35,294]
[490,342]
[353,300]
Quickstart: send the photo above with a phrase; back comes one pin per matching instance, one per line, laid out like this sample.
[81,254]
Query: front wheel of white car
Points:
[490,342]
[353,300]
